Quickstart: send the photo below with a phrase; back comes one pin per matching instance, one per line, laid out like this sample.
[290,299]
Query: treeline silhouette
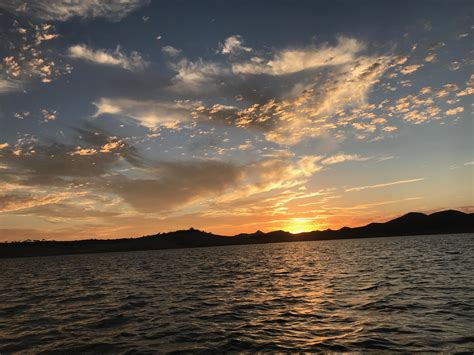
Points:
[445,222]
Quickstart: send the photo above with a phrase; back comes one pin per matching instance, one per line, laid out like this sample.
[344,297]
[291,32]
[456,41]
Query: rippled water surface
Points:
[411,293]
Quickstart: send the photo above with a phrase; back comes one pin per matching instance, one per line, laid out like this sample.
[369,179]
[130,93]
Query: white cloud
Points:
[234,45]
[150,114]
[295,60]
[193,76]
[200,74]
[360,188]
[132,62]
[341,157]
[63,10]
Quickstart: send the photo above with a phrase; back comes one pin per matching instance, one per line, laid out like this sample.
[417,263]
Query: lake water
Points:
[410,293]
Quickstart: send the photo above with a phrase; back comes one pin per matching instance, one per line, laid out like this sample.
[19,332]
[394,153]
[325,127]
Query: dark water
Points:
[410,294]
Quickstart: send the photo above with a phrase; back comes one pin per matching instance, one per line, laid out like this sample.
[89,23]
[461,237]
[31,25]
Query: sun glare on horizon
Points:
[301,225]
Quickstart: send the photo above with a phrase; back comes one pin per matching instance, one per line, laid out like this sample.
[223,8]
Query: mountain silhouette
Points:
[413,223]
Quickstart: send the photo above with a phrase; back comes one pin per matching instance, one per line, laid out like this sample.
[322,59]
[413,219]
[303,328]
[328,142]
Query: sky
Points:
[133,117]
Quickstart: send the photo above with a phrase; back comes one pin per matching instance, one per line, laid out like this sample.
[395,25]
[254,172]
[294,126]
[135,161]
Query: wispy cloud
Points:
[360,188]
[15,202]
[8,86]
[132,62]
[198,76]
[150,114]
[375,204]
[170,51]
[341,157]
[63,10]
[289,109]
[295,60]
[389,157]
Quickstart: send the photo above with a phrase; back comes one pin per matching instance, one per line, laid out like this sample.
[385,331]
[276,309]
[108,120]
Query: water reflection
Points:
[406,294]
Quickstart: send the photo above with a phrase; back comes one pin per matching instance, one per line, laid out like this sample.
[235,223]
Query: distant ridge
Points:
[413,223]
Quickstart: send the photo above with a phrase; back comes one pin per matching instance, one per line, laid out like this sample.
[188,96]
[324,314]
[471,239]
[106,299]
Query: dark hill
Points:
[445,222]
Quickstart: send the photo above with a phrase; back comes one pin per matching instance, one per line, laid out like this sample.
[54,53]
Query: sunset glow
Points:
[119,121]
[300,225]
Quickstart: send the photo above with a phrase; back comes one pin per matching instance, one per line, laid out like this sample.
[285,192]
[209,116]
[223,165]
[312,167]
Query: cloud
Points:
[133,62]
[171,51]
[389,157]
[171,184]
[304,105]
[84,151]
[15,202]
[341,157]
[196,76]
[8,86]
[27,55]
[234,45]
[58,164]
[270,175]
[287,106]
[290,61]
[294,108]
[72,210]
[49,115]
[211,183]
[446,90]
[161,186]
[466,91]
[454,66]
[424,106]
[147,113]
[112,145]
[12,68]
[455,111]
[63,10]
[366,127]
[360,188]
[431,57]
[389,128]
[309,110]
[409,69]
[470,81]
